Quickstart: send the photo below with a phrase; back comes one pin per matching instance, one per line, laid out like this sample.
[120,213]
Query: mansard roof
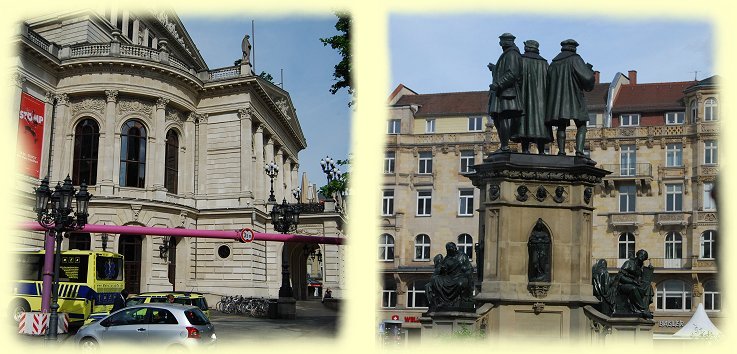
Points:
[651,97]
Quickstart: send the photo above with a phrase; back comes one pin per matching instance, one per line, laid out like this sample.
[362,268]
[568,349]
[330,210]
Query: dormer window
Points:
[629,120]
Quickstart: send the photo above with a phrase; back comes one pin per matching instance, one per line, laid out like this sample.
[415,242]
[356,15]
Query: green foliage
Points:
[339,185]
[342,43]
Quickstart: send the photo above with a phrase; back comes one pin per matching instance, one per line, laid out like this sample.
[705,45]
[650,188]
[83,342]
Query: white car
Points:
[173,326]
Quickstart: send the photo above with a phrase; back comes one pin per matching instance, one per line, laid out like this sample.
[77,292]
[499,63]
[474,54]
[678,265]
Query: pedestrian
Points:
[328,294]
[170,298]
[119,301]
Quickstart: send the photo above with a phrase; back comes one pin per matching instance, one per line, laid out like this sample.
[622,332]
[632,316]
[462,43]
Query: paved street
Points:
[313,320]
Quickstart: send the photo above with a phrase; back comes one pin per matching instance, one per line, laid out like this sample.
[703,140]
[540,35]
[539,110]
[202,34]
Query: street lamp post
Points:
[52,211]
[271,170]
[329,168]
[285,218]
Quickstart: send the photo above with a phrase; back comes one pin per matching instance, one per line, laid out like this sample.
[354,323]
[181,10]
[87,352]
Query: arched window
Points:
[626,247]
[708,245]
[673,250]
[79,241]
[710,110]
[133,154]
[386,247]
[673,295]
[422,247]
[171,162]
[86,143]
[712,298]
[465,245]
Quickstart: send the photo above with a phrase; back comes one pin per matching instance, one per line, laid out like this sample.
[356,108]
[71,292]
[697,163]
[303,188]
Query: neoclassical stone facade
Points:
[660,140]
[132,109]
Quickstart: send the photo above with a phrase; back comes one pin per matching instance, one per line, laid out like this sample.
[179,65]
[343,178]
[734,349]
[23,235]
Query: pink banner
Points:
[222,234]
[30,135]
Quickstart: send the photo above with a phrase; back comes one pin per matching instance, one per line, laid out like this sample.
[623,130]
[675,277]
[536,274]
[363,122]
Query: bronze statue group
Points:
[528,97]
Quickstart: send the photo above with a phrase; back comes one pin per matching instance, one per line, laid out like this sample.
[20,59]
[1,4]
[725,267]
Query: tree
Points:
[342,43]
[338,185]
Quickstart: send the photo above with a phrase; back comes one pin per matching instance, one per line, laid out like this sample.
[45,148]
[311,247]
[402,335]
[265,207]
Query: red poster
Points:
[30,135]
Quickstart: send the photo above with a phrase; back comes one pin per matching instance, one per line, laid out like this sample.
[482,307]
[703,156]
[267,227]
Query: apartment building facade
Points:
[659,140]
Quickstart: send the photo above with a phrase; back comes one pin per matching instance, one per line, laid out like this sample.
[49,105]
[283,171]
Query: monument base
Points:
[625,330]
[440,324]
[287,308]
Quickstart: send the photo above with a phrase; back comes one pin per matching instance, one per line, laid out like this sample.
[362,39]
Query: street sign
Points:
[246,235]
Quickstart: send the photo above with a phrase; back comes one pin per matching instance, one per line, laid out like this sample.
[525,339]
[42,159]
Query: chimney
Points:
[632,74]
[596,77]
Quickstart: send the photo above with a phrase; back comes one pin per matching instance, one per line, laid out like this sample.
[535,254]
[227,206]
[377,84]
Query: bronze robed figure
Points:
[568,77]
[505,103]
[451,285]
[530,127]
[629,293]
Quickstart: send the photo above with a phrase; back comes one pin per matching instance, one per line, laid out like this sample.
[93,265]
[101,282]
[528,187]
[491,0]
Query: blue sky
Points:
[445,53]
[292,44]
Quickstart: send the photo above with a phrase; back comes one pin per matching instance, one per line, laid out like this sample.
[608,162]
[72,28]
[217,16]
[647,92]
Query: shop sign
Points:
[670,323]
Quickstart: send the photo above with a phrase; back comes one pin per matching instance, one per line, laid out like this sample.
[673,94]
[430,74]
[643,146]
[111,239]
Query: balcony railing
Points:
[225,73]
[627,219]
[658,263]
[672,218]
[637,170]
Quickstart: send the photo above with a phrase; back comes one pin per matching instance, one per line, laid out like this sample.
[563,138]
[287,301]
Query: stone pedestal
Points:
[439,324]
[287,308]
[619,330]
[535,233]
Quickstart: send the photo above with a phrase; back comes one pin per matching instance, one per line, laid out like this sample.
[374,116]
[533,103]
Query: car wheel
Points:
[88,345]
[18,307]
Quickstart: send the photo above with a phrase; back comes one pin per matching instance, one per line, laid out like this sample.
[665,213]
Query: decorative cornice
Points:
[96,105]
[161,102]
[134,106]
[19,79]
[112,95]
[62,99]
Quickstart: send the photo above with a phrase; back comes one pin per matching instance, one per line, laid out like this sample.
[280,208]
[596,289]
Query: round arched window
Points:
[223,251]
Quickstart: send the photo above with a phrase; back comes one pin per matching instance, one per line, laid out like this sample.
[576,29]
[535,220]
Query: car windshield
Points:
[196,317]
[135,301]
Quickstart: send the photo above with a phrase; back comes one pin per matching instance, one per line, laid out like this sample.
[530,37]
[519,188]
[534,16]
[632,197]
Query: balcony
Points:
[706,170]
[672,219]
[628,219]
[629,171]
[657,263]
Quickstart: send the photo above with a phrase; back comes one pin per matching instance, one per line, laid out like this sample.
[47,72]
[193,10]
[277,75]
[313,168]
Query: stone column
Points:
[202,155]
[107,160]
[158,149]
[18,81]
[58,170]
[258,169]
[268,158]
[279,181]
[246,155]
[186,164]
[48,118]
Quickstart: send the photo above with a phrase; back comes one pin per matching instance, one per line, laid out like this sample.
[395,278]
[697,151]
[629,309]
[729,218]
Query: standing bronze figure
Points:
[531,127]
[505,103]
[568,77]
